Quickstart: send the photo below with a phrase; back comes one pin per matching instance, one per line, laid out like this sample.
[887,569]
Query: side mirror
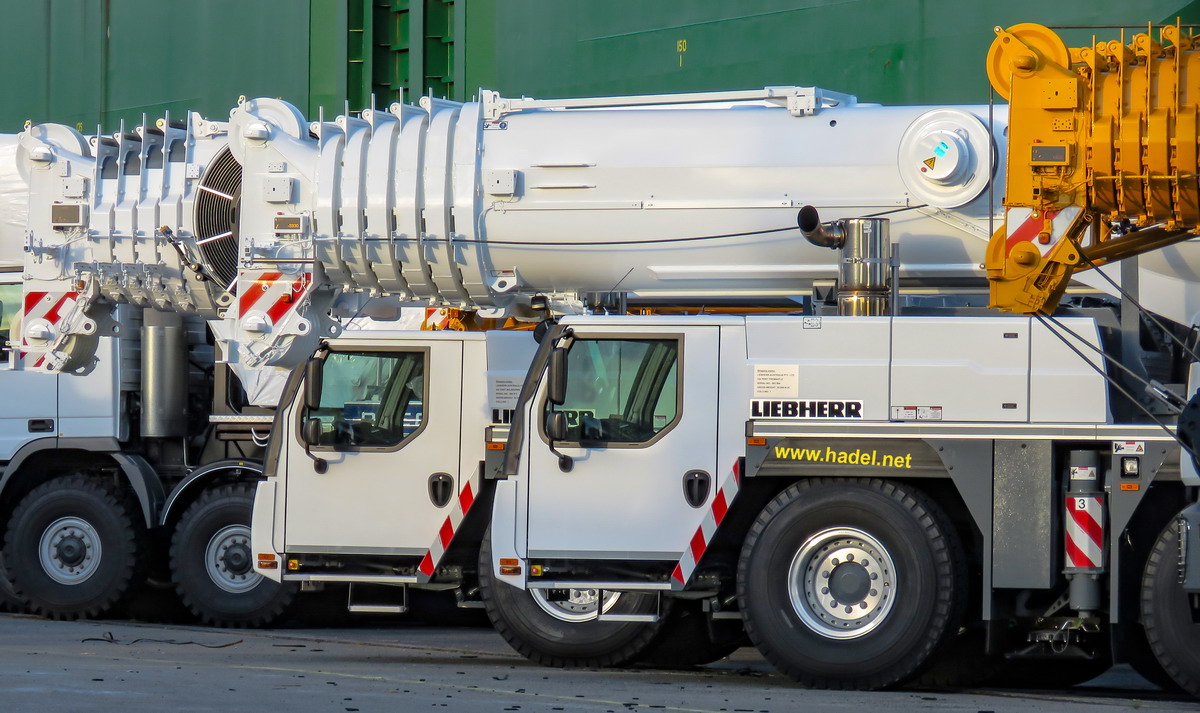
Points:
[558,377]
[311,433]
[556,426]
[312,383]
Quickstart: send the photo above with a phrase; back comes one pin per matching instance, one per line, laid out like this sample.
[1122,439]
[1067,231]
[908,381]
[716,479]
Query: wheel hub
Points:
[842,583]
[69,550]
[227,560]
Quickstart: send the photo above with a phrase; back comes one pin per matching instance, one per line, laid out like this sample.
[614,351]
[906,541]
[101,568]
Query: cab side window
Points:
[620,390]
[370,399]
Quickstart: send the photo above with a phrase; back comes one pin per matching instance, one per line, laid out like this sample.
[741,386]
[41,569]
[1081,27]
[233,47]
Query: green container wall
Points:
[89,62]
[889,51]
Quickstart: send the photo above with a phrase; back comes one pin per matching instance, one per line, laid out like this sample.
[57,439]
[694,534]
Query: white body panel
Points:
[970,369]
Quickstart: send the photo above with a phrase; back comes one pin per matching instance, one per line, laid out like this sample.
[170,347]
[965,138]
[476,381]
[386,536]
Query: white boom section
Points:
[104,218]
[485,204]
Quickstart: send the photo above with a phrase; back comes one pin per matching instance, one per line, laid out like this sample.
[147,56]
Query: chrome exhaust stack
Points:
[864,266]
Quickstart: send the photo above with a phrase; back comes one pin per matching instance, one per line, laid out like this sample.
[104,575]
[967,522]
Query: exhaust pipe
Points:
[864,276]
[825,235]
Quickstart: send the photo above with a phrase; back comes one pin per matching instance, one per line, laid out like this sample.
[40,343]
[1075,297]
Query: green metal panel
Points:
[362,48]
[90,62]
[896,52]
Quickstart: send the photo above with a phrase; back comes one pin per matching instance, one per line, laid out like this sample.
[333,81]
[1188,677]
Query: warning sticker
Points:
[1129,448]
[776,381]
[930,162]
[916,413]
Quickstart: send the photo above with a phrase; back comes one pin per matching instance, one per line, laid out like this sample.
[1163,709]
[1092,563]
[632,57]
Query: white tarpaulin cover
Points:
[14,203]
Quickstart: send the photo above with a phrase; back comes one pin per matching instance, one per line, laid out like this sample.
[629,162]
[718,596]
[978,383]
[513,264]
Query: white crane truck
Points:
[874,494]
[670,199]
[267,226]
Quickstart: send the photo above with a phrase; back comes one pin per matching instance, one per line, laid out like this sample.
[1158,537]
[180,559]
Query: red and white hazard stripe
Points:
[462,504]
[50,306]
[272,292]
[1024,225]
[708,528]
[1085,531]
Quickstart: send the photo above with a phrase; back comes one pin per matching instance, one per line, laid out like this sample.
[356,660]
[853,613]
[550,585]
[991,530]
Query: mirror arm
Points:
[565,462]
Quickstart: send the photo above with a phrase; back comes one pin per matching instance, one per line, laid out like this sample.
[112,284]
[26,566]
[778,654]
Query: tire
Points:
[9,600]
[556,632]
[806,536]
[1142,659]
[1166,614]
[212,564]
[686,639]
[74,547]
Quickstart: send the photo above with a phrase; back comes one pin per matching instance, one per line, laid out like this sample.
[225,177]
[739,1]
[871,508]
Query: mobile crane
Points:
[895,493]
[882,492]
[271,231]
[455,204]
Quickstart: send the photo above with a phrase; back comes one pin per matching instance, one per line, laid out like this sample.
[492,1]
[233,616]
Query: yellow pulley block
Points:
[1022,50]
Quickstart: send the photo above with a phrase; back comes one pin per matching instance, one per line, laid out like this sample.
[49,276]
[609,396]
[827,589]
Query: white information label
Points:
[904,413]
[929,413]
[504,390]
[776,381]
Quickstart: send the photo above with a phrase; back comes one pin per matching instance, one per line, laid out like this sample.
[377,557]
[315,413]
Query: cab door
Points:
[389,423]
[641,411]
[29,409]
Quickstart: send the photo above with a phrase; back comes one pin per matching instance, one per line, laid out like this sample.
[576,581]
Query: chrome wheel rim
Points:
[842,583]
[577,604]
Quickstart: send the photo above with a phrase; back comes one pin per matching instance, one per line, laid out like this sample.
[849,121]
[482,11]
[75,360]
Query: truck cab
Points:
[380,452]
[857,492]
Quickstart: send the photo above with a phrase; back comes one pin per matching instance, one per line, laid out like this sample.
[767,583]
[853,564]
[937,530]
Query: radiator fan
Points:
[218,202]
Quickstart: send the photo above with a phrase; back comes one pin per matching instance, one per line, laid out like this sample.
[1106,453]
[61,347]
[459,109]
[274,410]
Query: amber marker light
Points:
[509,565]
[756,441]
[495,446]
[267,561]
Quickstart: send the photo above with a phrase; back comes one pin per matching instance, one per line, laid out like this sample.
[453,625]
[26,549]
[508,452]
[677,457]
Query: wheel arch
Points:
[43,459]
[187,490]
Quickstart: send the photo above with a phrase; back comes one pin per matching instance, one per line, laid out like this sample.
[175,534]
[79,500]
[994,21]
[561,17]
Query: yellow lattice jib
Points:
[1097,135]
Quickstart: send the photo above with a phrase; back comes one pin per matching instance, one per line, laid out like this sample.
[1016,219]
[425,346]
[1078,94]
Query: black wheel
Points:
[74,547]
[687,639]
[850,584]
[1142,659]
[9,600]
[559,627]
[1171,630]
[213,566]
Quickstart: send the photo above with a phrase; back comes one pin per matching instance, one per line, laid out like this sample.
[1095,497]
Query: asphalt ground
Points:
[76,667]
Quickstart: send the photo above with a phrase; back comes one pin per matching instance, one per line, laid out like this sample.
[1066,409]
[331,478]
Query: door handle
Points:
[696,484]
[41,425]
[441,489]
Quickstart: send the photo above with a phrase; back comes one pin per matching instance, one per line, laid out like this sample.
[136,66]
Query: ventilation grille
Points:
[217,204]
